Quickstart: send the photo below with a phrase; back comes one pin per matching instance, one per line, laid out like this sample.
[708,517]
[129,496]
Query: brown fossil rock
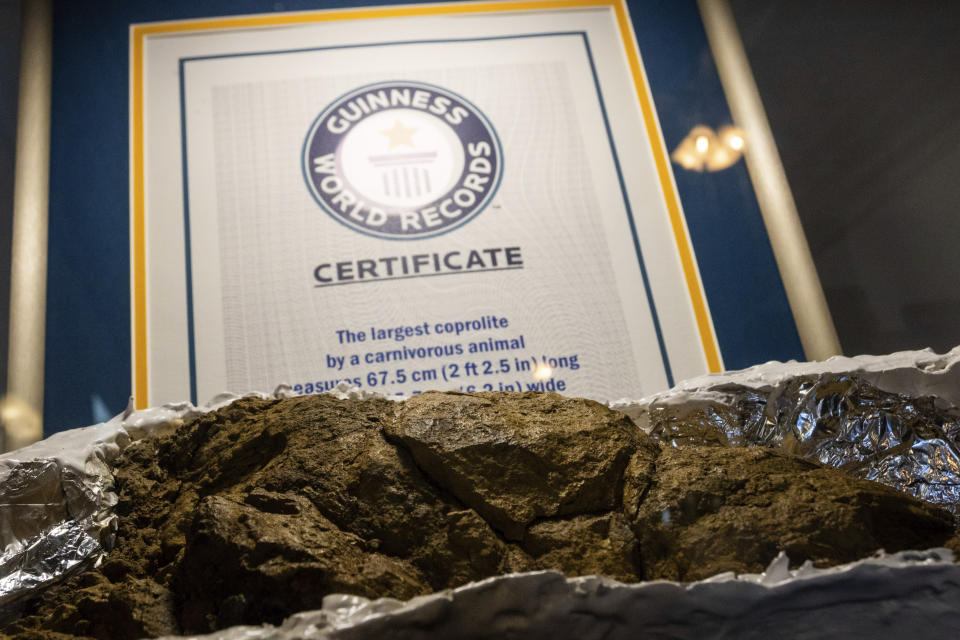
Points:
[585,545]
[256,511]
[537,455]
[714,509]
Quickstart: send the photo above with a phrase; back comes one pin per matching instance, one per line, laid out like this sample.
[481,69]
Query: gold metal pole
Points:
[799,274]
[22,408]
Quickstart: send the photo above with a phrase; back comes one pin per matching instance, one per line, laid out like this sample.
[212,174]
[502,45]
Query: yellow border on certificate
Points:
[139,32]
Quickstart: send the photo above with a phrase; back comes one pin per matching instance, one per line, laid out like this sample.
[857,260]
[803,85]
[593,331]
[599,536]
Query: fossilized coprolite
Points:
[256,511]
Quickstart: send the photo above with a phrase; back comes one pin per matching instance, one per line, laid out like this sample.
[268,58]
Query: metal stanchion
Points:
[21,410]
[799,274]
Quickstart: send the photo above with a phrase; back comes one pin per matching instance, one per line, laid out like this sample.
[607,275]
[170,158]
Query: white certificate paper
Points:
[410,203]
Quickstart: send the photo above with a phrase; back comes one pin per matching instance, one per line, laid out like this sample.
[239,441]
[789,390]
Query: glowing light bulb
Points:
[707,150]
[21,422]
[542,371]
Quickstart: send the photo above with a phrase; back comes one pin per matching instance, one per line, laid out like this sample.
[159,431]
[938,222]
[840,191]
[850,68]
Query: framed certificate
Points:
[475,196]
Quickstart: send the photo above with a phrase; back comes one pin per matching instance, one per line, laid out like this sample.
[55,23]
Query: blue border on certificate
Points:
[606,123]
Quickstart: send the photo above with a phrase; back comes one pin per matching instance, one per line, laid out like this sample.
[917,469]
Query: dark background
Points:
[864,101]
[862,97]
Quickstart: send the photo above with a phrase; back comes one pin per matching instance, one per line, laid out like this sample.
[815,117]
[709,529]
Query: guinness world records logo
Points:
[402,160]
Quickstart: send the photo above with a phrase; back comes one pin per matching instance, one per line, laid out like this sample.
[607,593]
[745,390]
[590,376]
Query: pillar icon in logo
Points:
[402,160]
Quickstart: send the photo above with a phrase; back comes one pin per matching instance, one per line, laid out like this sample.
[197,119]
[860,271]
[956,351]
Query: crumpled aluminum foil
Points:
[56,500]
[909,443]
[888,596]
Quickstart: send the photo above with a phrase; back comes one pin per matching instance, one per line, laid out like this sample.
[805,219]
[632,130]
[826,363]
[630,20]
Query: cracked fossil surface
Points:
[258,510]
